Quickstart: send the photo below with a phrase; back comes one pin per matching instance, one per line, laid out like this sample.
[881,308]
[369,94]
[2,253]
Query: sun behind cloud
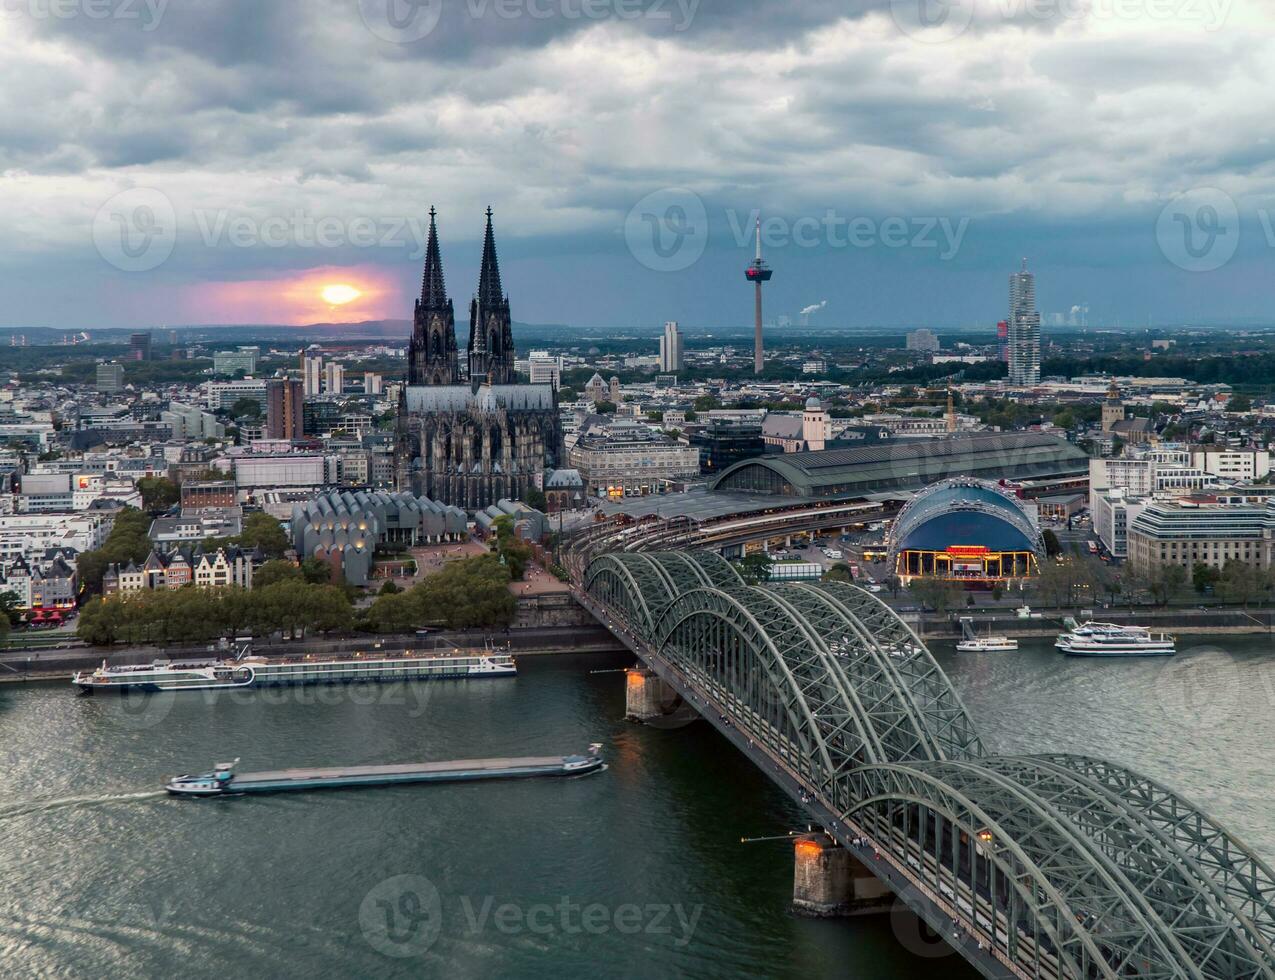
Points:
[338,294]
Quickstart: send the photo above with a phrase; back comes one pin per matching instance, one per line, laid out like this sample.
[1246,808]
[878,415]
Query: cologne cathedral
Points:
[468,433]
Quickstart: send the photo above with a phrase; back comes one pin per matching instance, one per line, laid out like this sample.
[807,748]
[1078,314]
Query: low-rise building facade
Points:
[1204,531]
[626,459]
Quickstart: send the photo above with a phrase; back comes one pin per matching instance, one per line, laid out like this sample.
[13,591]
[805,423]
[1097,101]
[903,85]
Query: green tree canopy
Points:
[466,594]
[840,572]
[755,568]
[275,570]
[937,594]
[534,497]
[158,492]
[194,615]
[126,542]
[262,531]
[248,408]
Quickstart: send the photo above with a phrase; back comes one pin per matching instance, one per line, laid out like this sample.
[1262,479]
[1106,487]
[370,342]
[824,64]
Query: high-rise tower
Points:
[1024,329]
[671,348]
[758,273]
[491,338]
[431,353]
[1112,408]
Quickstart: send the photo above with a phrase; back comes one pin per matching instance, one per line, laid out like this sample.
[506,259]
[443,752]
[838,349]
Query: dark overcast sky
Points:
[205,161]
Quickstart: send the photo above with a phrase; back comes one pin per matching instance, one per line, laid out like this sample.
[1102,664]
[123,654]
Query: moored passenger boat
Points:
[1111,640]
[971,642]
[251,672]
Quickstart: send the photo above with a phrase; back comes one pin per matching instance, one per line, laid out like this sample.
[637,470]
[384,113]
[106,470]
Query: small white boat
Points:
[970,642]
[987,644]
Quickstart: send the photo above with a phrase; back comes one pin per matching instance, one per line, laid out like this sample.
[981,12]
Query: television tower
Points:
[758,273]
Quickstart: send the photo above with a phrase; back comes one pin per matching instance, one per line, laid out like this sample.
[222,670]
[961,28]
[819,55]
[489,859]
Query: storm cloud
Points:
[1057,130]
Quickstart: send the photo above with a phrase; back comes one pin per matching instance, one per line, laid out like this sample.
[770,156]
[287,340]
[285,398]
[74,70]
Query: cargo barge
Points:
[248,672]
[224,781]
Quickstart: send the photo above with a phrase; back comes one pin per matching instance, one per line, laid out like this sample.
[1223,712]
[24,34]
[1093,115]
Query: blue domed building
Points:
[965,530]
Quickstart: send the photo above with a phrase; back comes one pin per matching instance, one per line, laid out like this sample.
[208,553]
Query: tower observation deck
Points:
[758,273]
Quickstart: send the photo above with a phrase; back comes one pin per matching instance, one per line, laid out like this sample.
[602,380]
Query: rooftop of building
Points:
[905,465]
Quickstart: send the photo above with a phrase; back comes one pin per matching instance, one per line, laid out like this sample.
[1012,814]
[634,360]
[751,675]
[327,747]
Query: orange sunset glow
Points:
[327,295]
[338,294]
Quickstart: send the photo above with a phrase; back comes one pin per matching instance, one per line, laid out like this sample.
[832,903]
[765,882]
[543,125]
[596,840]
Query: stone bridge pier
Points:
[828,880]
[645,695]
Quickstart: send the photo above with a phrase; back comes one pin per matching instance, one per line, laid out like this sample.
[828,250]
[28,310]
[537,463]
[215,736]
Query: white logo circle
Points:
[667,231]
[932,21]
[1199,231]
[138,710]
[1199,688]
[401,21]
[402,916]
[135,230]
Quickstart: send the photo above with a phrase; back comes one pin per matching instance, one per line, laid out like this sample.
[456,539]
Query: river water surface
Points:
[635,872]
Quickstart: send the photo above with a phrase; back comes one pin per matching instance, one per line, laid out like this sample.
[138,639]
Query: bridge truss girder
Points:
[1077,866]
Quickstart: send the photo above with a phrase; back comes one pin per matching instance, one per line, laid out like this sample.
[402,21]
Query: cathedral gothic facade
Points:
[468,433]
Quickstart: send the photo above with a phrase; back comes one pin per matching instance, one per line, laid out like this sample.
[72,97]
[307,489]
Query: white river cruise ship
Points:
[1110,640]
[257,671]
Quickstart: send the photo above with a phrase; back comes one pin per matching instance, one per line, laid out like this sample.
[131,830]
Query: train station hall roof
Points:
[904,464]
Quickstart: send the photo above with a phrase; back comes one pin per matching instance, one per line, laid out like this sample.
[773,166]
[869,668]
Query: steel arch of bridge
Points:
[1069,866]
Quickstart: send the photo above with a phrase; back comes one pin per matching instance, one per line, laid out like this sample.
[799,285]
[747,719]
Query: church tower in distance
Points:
[431,353]
[491,338]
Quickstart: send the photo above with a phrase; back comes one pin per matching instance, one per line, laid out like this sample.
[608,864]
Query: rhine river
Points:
[635,872]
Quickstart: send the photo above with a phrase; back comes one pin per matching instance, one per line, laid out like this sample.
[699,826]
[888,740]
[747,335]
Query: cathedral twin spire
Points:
[432,353]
